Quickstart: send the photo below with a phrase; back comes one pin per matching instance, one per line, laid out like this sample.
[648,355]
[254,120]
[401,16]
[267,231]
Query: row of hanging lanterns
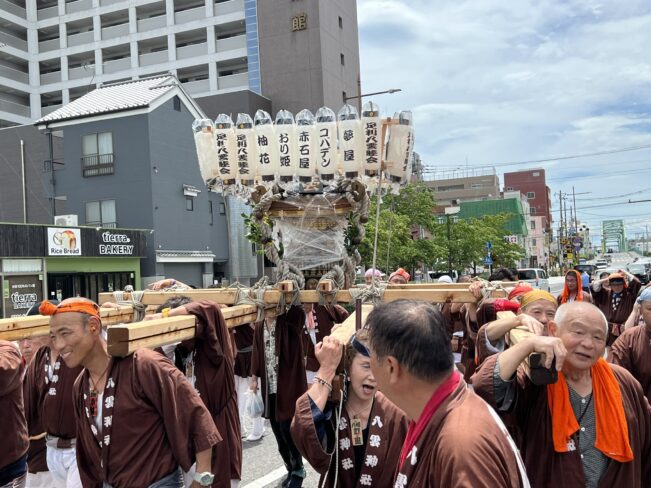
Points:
[293,150]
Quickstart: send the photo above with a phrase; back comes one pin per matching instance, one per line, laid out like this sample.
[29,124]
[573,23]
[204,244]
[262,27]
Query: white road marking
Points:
[275,475]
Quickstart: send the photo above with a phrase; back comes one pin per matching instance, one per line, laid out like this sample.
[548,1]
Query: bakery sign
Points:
[20,293]
[115,244]
[63,242]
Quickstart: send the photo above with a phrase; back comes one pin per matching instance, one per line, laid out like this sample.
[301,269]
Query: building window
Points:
[343,59]
[341,23]
[344,97]
[210,216]
[532,211]
[177,104]
[535,173]
[533,242]
[101,213]
[97,154]
[189,204]
[531,194]
[533,224]
[474,186]
[509,188]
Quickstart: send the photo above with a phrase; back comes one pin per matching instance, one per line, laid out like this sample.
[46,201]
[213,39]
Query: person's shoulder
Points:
[388,407]
[631,334]
[473,422]
[628,385]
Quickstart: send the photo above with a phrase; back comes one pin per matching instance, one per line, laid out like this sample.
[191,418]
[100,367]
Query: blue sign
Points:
[488,245]
[488,261]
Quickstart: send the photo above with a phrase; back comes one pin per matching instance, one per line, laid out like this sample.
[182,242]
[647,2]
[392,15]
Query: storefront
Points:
[60,262]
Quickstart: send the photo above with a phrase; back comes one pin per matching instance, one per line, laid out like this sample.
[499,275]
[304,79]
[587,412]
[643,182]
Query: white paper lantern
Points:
[400,145]
[351,141]
[372,133]
[204,140]
[306,145]
[267,149]
[226,149]
[326,127]
[247,163]
[286,138]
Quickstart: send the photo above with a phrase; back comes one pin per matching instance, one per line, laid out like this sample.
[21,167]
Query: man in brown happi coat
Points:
[617,300]
[454,439]
[208,363]
[632,349]
[14,441]
[161,424]
[278,365]
[592,427]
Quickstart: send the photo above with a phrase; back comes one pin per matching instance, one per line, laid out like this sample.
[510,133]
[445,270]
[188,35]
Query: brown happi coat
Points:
[632,350]
[52,399]
[14,440]
[464,445]
[291,368]
[547,468]
[387,427]
[160,423]
[243,338]
[325,317]
[603,300]
[215,382]
[485,313]
[36,454]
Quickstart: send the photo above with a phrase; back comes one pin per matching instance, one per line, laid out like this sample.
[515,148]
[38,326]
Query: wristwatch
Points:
[204,479]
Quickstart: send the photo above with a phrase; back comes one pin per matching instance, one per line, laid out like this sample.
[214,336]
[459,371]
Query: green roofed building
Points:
[517,222]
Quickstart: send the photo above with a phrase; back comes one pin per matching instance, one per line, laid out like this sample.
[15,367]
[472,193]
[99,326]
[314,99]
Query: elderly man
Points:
[616,301]
[138,419]
[591,427]
[632,349]
[454,438]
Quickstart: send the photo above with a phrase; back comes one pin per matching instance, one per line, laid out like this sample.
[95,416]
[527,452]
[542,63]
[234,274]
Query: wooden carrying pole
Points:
[18,328]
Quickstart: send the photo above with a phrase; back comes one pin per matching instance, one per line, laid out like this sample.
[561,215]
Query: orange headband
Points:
[89,308]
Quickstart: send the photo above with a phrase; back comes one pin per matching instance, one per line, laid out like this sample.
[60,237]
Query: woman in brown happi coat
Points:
[355,445]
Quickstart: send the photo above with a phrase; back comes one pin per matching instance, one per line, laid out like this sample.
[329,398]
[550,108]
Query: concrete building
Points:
[130,162]
[309,53]
[464,185]
[54,51]
[533,185]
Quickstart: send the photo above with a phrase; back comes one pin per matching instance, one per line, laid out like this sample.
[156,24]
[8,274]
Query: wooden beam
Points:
[345,330]
[436,286]
[228,296]
[126,339]
[532,365]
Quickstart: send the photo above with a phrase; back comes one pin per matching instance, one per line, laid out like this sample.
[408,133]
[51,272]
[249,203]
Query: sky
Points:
[495,83]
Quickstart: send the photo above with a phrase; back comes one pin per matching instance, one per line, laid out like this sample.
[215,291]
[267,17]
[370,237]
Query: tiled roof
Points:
[114,98]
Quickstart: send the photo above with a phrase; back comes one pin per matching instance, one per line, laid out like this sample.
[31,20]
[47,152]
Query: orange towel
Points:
[579,291]
[612,428]
[80,306]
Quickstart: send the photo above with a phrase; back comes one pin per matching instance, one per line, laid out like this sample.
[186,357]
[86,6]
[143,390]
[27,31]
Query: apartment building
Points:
[54,51]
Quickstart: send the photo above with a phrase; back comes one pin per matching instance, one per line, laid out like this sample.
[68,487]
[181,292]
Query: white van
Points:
[536,277]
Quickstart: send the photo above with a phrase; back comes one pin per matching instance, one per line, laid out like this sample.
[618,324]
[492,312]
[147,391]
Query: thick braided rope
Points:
[336,274]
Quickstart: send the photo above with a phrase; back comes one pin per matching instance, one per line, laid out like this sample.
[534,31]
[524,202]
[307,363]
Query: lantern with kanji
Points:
[267,149]
[285,137]
[326,127]
[247,163]
[400,145]
[204,140]
[351,141]
[306,145]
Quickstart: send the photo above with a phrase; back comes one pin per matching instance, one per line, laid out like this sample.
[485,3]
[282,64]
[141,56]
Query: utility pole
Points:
[560,232]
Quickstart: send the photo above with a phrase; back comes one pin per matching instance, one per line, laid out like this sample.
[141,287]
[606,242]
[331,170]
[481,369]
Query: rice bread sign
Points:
[63,242]
[20,293]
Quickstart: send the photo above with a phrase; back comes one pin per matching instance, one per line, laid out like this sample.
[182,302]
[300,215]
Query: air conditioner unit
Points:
[66,220]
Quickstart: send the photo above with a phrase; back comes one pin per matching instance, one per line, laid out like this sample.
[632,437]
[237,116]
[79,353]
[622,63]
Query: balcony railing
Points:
[97,165]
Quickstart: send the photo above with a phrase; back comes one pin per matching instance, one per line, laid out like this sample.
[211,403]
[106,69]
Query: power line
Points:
[613,196]
[572,156]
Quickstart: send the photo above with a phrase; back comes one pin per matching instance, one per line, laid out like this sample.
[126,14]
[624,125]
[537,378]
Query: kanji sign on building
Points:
[299,22]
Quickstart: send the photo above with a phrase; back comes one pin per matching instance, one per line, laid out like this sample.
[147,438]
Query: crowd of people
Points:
[525,390]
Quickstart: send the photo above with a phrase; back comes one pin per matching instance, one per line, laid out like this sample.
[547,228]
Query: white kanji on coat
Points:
[94,429]
[347,463]
[365,480]
[110,383]
[401,481]
[374,440]
[52,391]
[343,424]
[55,378]
[377,421]
[371,460]
[571,446]
[107,440]
[57,365]
[412,455]
[344,443]
[108,402]
[108,421]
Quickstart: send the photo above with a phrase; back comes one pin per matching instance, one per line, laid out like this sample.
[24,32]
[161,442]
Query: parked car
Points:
[588,268]
[536,277]
[435,275]
[601,264]
[640,270]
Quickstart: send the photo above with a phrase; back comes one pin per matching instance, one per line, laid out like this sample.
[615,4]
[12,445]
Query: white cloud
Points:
[492,81]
